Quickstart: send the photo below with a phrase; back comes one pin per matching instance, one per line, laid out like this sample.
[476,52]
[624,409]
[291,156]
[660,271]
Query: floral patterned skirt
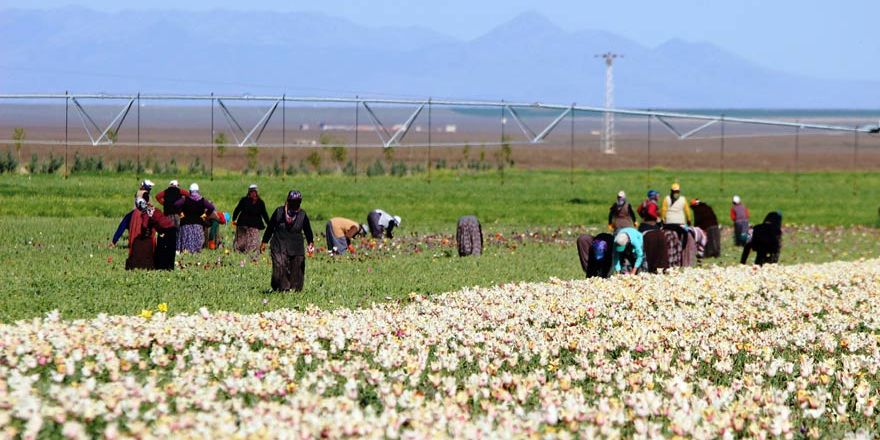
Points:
[247,239]
[191,238]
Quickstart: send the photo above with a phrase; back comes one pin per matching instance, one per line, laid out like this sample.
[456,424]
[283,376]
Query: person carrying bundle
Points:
[766,241]
[340,231]
[285,232]
[382,223]
[628,252]
[649,211]
[705,219]
[621,214]
[739,213]
[595,254]
[469,235]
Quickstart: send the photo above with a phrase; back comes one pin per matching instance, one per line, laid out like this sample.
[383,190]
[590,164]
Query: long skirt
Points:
[288,272]
[673,248]
[191,238]
[166,248]
[247,239]
[469,235]
[713,242]
[656,252]
[140,255]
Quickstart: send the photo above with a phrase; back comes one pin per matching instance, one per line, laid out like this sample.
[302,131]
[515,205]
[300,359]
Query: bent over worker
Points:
[628,249]
[340,231]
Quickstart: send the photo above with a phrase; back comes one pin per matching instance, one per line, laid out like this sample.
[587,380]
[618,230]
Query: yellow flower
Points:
[163,307]
[146,313]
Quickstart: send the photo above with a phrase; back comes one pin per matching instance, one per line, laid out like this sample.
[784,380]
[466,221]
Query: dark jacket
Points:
[250,214]
[193,210]
[766,240]
[169,197]
[704,216]
[288,239]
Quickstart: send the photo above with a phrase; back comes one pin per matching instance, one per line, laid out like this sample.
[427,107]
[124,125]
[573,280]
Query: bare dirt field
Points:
[639,144]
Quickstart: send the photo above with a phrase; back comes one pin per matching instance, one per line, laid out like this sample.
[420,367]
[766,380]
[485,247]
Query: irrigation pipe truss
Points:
[387,137]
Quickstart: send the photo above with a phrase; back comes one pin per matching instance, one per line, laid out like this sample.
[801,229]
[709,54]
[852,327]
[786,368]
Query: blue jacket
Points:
[636,241]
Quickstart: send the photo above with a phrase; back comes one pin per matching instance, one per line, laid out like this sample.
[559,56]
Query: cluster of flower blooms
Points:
[721,352]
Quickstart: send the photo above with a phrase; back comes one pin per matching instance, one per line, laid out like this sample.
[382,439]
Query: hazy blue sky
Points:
[817,38]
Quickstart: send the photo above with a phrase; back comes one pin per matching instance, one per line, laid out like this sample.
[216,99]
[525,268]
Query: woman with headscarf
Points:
[194,210]
[248,219]
[676,213]
[649,211]
[145,221]
[286,229]
[621,214]
[766,241]
[739,213]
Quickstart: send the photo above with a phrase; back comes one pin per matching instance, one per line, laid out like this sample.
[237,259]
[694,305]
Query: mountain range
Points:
[528,58]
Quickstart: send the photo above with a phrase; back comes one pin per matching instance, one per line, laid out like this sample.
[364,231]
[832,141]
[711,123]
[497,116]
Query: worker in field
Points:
[629,252]
[145,221]
[248,219]
[382,223]
[194,211]
[739,213]
[469,236]
[765,240]
[649,211]
[213,237]
[707,221]
[340,232]
[676,213]
[143,192]
[144,189]
[168,197]
[621,214]
[287,232]
[595,254]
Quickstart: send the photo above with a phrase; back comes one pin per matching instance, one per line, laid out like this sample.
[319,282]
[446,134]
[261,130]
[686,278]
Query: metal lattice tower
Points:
[608,120]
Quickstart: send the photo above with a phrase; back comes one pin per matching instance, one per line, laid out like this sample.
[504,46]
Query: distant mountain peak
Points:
[528,22]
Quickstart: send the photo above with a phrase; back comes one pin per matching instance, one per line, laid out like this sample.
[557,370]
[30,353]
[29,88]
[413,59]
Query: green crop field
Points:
[54,253]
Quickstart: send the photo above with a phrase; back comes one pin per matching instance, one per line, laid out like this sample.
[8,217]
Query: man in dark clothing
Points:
[705,219]
[621,214]
[766,240]
[248,218]
[286,229]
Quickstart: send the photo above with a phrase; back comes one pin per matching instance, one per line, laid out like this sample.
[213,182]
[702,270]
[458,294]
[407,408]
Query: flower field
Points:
[788,351]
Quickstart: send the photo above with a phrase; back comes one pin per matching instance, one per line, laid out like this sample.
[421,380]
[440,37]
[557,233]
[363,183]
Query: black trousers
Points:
[288,272]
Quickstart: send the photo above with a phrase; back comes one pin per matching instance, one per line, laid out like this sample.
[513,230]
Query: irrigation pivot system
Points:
[386,135]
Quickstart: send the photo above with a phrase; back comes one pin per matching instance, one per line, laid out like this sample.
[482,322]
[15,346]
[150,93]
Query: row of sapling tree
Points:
[328,146]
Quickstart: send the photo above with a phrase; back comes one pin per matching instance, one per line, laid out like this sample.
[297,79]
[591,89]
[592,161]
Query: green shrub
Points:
[376,169]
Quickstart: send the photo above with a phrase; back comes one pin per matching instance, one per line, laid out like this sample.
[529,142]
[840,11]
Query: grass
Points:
[54,235]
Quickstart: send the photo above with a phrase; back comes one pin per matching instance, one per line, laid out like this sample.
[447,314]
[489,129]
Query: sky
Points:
[836,40]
